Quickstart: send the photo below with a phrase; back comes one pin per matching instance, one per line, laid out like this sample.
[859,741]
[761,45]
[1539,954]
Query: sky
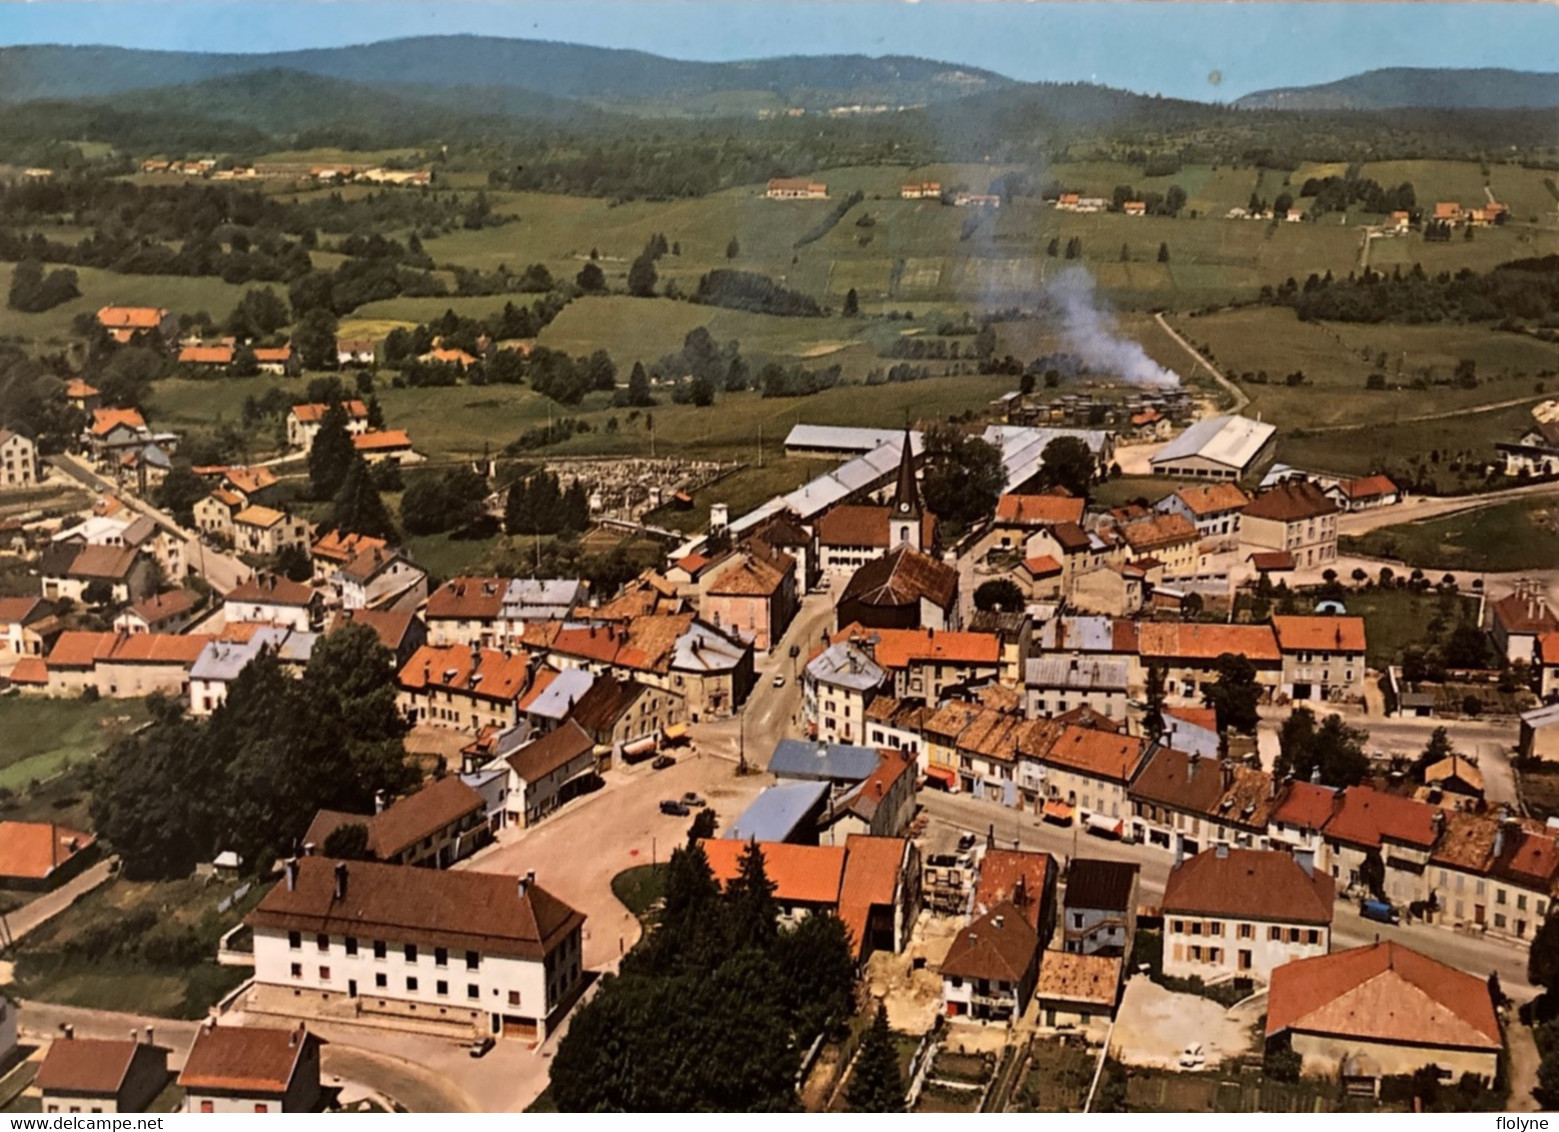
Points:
[1205,51]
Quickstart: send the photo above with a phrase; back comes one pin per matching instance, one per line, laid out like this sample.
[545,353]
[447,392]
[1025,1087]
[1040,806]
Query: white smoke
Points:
[1090,332]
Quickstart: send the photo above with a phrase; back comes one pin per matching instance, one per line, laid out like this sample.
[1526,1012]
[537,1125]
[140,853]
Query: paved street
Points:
[51,904]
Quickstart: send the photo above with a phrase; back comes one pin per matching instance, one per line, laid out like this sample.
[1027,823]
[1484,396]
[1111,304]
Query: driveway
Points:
[1153,1025]
[51,904]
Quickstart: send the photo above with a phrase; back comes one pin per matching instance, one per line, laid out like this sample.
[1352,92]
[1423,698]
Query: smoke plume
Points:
[1090,332]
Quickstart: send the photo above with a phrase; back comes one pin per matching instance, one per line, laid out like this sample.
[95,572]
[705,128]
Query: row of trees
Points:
[32,291]
[251,776]
[536,505]
[1525,289]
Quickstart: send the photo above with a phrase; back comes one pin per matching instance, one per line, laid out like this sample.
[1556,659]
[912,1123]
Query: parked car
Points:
[966,842]
[673,808]
[1193,1056]
[692,799]
[1380,911]
[480,1047]
[662,762]
[779,681]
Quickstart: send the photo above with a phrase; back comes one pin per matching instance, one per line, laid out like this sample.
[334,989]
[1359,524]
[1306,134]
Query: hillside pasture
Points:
[181,294]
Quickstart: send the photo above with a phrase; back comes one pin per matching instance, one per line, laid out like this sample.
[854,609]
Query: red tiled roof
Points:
[206,355]
[1252,884]
[271,589]
[1369,487]
[492,675]
[336,546]
[105,421]
[898,648]
[1013,876]
[802,874]
[131,318]
[32,850]
[1103,754]
[1384,993]
[89,1066]
[1290,502]
[1043,566]
[1000,945]
[1039,510]
[1212,499]
[1525,613]
[1319,634]
[1144,535]
[381,440]
[1272,560]
[245,1059]
[1366,816]
[467,599]
[1178,641]
[870,879]
[309,414]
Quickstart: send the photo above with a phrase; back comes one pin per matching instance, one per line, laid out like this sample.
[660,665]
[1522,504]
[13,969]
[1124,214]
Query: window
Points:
[441,957]
[324,974]
[381,980]
[297,970]
[1521,902]
[514,998]
[411,952]
[351,945]
[411,982]
[1247,931]
[473,960]
[1313,936]
[1215,928]
[380,950]
[1275,935]
[1499,919]
[322,941]
[441,987]
[295,940]
[473,991]
[1499,896]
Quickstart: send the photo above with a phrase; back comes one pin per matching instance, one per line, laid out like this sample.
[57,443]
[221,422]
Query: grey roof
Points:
[834,762]
[714,651]
[1023,449]
[1541,717]
[558,698]
[776,812]
[296,647]
[817,495]
[843,439]
[1079,673]
[844,666]
[1084,634]
[221,661]
[542,599]
[139,529]
[1232,441]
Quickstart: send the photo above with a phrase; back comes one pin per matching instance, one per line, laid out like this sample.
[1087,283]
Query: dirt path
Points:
[51,904]
[1523,1069]
[1240,398]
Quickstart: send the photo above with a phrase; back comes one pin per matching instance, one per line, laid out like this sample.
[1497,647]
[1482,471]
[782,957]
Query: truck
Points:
[1380,911]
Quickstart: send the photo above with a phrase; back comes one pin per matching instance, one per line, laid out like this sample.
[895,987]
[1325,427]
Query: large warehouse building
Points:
[1216,448]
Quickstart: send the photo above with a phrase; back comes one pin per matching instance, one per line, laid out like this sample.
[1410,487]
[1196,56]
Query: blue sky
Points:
[1157,47]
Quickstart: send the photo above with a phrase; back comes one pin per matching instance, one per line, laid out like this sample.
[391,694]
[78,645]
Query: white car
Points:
[779,681]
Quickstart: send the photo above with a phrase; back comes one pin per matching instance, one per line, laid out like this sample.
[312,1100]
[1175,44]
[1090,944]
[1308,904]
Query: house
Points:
[1023,879]
[1493,873]
[278,361]
[852,535]
[210,357]
[1054,685]
[475,952]
[1018,516]
[1242,913]
[1297,517]
[161,613]
[354,352]
[1085,773]
[1014,633]
[921,190]
[627,718]
[466,610]
[787,812]
[796,188]
[378,577]
[462,688]
[837,685]
[303,422]
[249,1069]
[1365,494]
[1100,914]
[1226,447]
[220,661]
[925,664]
[1182,803]
[1214,509]
[1193,730]
[1076,990]
[835,763]
[1547,661]
[1323,658]
[1539,736]
[81,395]
[784,532]
[271,599]
[432,827]
[1383,1010]
[334,549]
[1517,620]
[266,532]
[1370,823]
[974,748]
[383,445]
[807,878]
[1297,820]
[42,855]
[1150,424]
[1187,654]
[112,431]
[754,591]
[1169,539]
[115,575]
[215,513]
[989,972]
[124,323]
[100,1075]
[1455,774]
[1448,212]
[881,805]
[18,461]
[27,625]
[904,589]
[547,772]
[1067,202]
[1135,208]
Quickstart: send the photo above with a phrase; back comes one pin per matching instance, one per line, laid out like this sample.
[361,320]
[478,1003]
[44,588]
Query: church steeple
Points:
[906,496]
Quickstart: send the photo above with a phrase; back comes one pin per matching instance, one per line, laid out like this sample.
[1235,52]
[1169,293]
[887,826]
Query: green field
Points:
[1509,536]
[43,736]
[182,294]
[1410,446]
[1395,619]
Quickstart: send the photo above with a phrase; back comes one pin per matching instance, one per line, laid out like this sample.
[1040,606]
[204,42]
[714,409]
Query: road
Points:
[223,571]
[953,814]
[51,904]
[1241,399]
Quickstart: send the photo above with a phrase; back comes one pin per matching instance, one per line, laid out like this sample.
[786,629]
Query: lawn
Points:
[1395,619]
[45,736]
[640,888]
[181,294]
[1509,536]
[142,947]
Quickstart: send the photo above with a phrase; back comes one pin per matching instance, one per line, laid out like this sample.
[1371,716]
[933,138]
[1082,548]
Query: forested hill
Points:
[561,70]
[1488,88]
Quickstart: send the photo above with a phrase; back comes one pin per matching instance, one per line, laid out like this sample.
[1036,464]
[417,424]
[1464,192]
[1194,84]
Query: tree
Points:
[753,916]
[98,593]
[962,478]
[591,279]
[358,508]
[1543,955]
[331,454]
[733,249]
[998,593]
[876,1085]
[601,371]
[642,277]
[293,563]
[1333,752]
[424,509]
[1372,874]
[1067,462]
[347,842]
[1235,694]
[1436,750]
[244,363]
[315,339]
[638,396]
[1467,647]
[1153,721]
[852,303]
[178,493]
[1163,253]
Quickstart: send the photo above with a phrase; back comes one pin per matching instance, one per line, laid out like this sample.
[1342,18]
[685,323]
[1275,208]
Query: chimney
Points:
[1228,773]
[70,1031]
[1499,840]
[309,848]
[522,885]
[1315,775]
[1190,766]
[340,880]
[291,869]
[999,921]
[135,1035]
[379,801]
[1020,891]
[150,1033]
[1222,850]
[990,836]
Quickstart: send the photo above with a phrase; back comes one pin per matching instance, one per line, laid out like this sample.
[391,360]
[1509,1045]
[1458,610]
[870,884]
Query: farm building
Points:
[1216,448]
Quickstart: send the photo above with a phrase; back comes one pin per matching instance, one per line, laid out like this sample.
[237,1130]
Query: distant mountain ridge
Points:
[557,70]
[1398,88]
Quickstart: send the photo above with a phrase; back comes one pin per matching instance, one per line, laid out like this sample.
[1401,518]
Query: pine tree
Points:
[1163,253]
[375,414]
[733,249]
[876,1084]
[331,454]
[358,508]
[519,513]
[639,387]
[1153,721]
[852,303]
[576,508]
[752,916]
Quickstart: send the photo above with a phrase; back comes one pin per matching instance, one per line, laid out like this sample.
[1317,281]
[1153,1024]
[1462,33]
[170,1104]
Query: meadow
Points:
[1522,535]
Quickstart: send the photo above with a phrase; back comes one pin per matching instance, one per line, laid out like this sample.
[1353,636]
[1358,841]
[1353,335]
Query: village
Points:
[1111,798]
